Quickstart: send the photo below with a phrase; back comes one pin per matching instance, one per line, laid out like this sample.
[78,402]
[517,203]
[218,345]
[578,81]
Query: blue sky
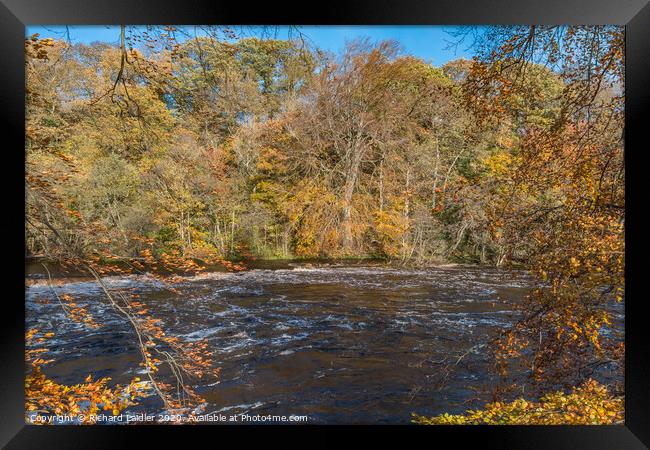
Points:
[427,42]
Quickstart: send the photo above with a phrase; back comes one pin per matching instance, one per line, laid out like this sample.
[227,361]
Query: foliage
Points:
[588,404]
[165,155]
[45,397]
[558,202]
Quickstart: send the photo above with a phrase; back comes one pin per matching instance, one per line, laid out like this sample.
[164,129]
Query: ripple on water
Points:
[303,339]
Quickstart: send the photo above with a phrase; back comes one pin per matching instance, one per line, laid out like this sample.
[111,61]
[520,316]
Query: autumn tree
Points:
[559,207]
[181,147]
[62,218]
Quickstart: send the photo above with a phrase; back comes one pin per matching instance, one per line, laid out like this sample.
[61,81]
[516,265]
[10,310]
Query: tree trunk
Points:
[232,232]
[434,188]
[381,185]
[348,191]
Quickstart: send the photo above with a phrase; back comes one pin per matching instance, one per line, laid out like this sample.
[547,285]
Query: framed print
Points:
[400,214]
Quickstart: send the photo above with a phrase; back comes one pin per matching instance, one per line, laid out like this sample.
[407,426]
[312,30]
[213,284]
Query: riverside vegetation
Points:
[185,147]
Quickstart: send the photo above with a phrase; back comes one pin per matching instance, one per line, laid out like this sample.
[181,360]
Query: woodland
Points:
[182,148]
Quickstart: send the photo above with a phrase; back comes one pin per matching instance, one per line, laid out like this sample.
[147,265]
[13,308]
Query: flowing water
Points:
[340,343]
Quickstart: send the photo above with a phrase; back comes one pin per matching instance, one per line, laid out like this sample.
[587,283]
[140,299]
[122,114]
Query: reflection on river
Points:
[339,343]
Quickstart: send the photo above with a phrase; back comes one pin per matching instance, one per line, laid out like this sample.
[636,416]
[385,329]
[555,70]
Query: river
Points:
[340,343]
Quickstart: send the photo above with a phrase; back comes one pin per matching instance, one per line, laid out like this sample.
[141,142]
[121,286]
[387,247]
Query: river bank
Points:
[42,268]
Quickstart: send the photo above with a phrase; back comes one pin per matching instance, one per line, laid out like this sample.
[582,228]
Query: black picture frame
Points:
[15,14]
